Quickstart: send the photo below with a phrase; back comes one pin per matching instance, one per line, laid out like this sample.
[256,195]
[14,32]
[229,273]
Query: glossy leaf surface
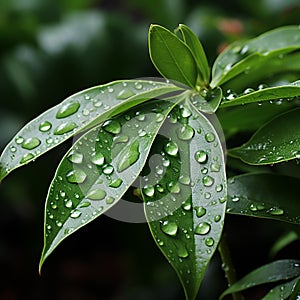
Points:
[276,141]
[268,196]
[76,113]
[185,194]
[98,170]
[171,56]
[272,272]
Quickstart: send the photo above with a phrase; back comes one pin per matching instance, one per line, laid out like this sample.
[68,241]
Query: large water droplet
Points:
[185,112]
[108,169]
[185,132]
[208,181]
[129,157]
[186,180]
[187,205]
[171,148]
[65,128]
[202,228]
[124,94]
[97,194]
[201,156]
[19,140]
[75,157]
[75,214]
[45,126]
[276,211]
[210,137]
[209,242]
[182,251]
[98,159]
[112,126]
[76,176]
[159,117]
[169,228]
[31,143]
[200,211]
[149,190]
[26,158]
[68,203]
[67,110]
[173,187]
[215,167]
[116,183]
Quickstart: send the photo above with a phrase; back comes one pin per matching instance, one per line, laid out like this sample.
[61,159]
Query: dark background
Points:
[50,49]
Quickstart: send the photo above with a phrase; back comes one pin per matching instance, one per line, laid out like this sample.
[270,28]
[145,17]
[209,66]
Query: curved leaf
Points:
[296,291]
[272,272]
[273,93]
[185,194]
[98,170]
[76,113]
[281,291]
[268,196]
[171,56]
[276,141]
[241,56]
[197,50]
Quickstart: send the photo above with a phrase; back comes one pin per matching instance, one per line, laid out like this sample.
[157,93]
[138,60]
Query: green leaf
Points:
[242,56]
[273,93]
[185,194]
[268,196]
[98,170]
[76,113]
[276,141]
[171,56]
[296,291]
[272,272]
[197,50]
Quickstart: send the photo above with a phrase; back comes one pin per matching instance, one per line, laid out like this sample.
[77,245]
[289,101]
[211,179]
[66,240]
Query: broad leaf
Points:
[272,272]
[76,113]
[185,193]
[268,196]
[276,141]
[197,50]
[171,56]
[281,291]
[98,170]
[268,94]
[241,56]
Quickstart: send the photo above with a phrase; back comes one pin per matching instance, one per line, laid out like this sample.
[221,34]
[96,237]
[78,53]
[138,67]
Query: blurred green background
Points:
[50,49]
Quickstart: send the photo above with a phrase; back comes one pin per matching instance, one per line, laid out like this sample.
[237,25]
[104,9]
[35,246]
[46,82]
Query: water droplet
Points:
[116,183]
[208,181]
[160,243]
[149,190]
[207,195]
[45,126]
[75,157]
[76,176]
[276,211]
[65,128]
[53,205]
[110,89]
[248,91]
[68,203]
[235,199]
[19,140]
[67,110]
[96,194]
[97,103]
[182,251]
[166,162]
[84,204]
[31,143]
[112,126]
[187,205]
[75,214]
[217,218]
[173,187]
[142,132]
[169,228]
[201,156]
[171,148]
[58,223]
[185,132]
[209,242]
[98,159]
[215,167]
[130,157]
[138,85]
[49,141]
[124,94]
[202,228]
[110,200]
[186,180]
[26,158]
[200,211]
[13,149]
[159,117]
[210,137]
[219,188]
[108,169]
[140,117]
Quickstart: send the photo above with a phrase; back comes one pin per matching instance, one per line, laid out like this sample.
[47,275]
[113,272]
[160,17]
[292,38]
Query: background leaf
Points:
[171,57]
[185,194]
[98,170]
[268,196]
[76,113]
[276,141]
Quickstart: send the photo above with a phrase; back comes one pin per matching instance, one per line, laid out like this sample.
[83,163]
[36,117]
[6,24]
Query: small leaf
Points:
[241,56]
[93,175]
[281,291]
[78,112]
[197,50]
[185,194]
[276,141]
[171,56]
[268,196]
[272,272]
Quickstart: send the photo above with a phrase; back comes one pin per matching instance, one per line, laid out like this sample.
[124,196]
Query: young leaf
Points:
[185,194]
[273,93]
[98,170]
[197,50]
[276,141]
[76,113]
[268,196]
[240,57]
[272,272]
[171,56]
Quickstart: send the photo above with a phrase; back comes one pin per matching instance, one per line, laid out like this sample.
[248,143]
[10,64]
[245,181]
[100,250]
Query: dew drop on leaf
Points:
[173,187]
[31,143]
[210,137]
[65,128]
[108,169]
[182,252]
[209,242]
[129,157]
[19,140]
[201,156]
[98,159]
[276,211]
[219,188]
[112,126]
[68,203]
[96,194]
[208,181]
[75,157]
[26,157]
[138,85]
[45,126]
[116,183]
[124,94]
[67,110]
[76,176]
[75,214]
[171,148]
[185,132]
[186,180]
[202,228]
[169,228]
[110,200]
[200,211]
[149,190]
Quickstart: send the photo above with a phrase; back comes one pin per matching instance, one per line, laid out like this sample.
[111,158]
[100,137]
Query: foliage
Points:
[124,124]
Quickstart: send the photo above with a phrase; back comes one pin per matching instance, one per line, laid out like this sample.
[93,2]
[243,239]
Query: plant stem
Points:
[228,265]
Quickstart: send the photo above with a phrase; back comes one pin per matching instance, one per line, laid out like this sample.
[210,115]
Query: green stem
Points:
[228,265]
